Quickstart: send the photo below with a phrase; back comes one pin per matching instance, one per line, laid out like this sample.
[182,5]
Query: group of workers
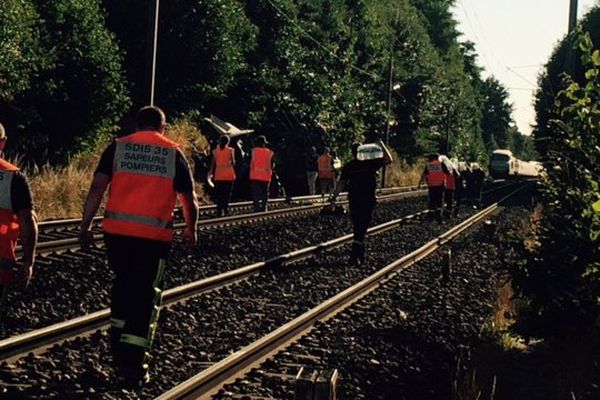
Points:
[144,173]
[222,173]
[450,184]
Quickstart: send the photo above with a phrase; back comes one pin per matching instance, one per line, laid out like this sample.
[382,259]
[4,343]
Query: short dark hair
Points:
[433,156]
[150,117]
[223,141]
[260,140]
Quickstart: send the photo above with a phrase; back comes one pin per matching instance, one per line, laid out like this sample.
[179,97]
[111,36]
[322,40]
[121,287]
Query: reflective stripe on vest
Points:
[260,164]
[142,195]
[325,168]
[224,164]
[9,222]
[435,174]
[139,219]
[450,183]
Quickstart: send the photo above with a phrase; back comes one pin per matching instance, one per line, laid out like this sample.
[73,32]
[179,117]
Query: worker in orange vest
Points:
[17,220]
[146,173]
[261,170]
[223,172]
[435,175]
[326,172]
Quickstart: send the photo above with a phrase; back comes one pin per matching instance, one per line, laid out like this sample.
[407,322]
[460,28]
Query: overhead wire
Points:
[321,45]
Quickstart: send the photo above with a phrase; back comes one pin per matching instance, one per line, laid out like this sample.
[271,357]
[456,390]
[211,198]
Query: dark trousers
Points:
[260,195]
[361,213]
[223,196]
[459,195]
[449,200]
[138,265]
[436,197]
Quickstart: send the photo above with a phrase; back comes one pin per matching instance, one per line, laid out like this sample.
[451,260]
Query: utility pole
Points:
[572,15]
[570,56]
[388,107]
[152,47]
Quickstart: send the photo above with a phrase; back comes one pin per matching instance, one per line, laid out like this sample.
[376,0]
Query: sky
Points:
[514,38]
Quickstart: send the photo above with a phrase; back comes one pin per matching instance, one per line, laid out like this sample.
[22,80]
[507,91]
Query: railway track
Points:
[40,339]
[207,383]
[76,386]
[61,235]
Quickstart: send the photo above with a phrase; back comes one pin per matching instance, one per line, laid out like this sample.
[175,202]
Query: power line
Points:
[321,45]
[525,66]
[522,77]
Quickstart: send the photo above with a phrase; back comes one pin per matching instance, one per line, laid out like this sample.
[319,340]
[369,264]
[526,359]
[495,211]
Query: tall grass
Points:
[400,173]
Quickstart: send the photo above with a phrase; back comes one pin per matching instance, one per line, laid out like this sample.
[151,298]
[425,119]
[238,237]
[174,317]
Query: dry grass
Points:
[399,173]
[59,192]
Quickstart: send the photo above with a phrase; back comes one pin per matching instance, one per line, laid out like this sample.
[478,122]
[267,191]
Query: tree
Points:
[563,287]
[76,94]
[497,113]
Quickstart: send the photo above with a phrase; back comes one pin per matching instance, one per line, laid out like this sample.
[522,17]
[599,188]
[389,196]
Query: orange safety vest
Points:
[9,224]
[224,164]
[435,174]
[142,194]
[260,164]
[325,168]
[450,183]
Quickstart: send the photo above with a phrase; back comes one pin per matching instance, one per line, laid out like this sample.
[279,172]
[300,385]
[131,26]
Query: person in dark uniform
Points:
[17,221]
[146,172]
[360,178]
[475,185]
[460,191]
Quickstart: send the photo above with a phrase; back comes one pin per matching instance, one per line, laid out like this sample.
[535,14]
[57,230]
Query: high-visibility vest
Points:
[435,174]
[9,224]
[325,167]
[450,183]
[142,194]
[260,164]
[224,164]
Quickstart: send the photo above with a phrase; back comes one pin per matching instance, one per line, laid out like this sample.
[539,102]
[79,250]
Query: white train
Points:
[504,165]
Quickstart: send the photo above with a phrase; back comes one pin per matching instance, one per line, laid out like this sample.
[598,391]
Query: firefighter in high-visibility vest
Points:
[146,173]
[326,172]
[223,174]
[261,171]
[435,175]
[17,221]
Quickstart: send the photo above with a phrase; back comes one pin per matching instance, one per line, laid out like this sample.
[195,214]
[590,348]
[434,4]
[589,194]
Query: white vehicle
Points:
[504,165]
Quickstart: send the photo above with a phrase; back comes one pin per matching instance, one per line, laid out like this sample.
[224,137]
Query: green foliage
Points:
[497,118]
[20,52]
[562,279]
[73,94]
[564,59]
[283,67]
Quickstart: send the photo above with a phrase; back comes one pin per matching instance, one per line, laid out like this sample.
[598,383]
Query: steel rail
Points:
[209,208]
[61,245]
[209,381]
[16,346]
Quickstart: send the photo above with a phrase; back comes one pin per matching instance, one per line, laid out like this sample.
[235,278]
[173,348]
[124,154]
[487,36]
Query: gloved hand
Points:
[86,238]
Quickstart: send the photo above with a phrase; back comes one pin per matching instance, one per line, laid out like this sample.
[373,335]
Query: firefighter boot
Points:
[361,252]
[354,255]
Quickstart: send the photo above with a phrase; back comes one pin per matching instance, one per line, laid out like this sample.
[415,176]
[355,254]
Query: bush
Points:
[561,280]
